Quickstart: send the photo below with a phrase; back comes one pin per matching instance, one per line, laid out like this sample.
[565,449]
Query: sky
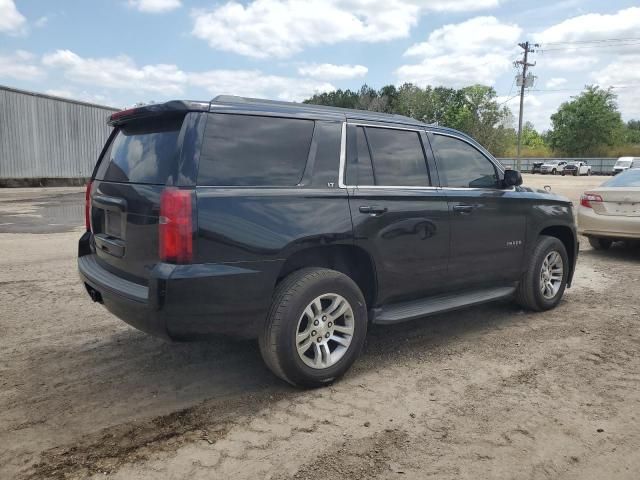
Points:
[121,52]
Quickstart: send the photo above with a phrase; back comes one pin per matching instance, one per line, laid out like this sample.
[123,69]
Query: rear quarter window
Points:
[247,150]
[143,151]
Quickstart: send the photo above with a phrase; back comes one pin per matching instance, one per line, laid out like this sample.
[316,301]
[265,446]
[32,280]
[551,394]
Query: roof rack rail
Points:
[355,113]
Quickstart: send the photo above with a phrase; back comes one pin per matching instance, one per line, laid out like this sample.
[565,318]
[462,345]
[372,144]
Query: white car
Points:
[552,166]
[576,168]
[611,211]
[625,163]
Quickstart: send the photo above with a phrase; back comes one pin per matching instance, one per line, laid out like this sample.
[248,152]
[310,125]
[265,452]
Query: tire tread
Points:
[526,292]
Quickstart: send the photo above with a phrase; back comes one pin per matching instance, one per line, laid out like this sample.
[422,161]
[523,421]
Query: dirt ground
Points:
[492,392]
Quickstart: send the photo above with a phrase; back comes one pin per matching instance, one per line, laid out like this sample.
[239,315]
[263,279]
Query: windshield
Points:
[628,178]
[623,163]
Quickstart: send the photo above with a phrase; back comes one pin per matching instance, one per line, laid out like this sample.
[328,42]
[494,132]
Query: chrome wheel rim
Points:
[551,275]
[325,331]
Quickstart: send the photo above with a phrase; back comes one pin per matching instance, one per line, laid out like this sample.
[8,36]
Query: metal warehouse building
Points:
[46,139]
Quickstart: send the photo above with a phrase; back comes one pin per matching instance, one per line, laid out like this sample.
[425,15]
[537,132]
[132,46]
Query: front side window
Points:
[462,166]
[245,150]
[397,157]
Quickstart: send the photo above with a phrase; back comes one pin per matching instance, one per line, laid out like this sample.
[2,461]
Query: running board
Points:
[400,312]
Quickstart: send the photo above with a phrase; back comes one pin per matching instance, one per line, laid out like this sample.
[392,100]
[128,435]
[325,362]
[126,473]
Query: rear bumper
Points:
[185,301]
[609,226]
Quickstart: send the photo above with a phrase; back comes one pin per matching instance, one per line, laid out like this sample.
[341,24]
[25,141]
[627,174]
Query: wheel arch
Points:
[351,260]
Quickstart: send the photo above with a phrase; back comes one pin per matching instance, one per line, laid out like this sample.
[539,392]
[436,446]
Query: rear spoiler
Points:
[156,109]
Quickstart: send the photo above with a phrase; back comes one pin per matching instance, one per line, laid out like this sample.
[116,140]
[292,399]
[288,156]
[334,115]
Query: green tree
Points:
[337,98]
[587,124]
[473,110]
[482,117]
[531,137]
[632,132]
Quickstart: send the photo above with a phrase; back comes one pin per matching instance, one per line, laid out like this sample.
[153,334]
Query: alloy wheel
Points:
[325,331]
[551,275]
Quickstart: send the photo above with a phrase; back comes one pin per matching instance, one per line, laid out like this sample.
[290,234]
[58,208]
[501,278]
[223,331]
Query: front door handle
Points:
[372,209]
[463,209]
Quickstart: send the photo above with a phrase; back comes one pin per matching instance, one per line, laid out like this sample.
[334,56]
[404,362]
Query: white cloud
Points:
[155,6]
[328,71]
[118,72]
[41,22]
[122,73]
[478,50]
[605,63]
[555,82]
[281,28]
[11,20]
[254,83]
[573,63]
[624,75]
[478,34]
[593,26]
[538,108]
[20,66]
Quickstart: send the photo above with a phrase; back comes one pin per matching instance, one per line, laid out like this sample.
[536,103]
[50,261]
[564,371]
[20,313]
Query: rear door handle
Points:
[372,209]
[463,209]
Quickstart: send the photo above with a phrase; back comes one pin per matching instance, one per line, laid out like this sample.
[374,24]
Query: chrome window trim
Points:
[343,158]
[373,125]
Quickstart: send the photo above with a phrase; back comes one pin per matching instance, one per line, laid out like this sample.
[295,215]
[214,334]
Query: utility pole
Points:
[523,79]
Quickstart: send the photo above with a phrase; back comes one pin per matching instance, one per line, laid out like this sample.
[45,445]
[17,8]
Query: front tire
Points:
[554,172]
[315,328]
[543,285]
[600,243]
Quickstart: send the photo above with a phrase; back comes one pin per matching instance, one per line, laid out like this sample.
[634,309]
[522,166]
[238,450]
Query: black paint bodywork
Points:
[247,238]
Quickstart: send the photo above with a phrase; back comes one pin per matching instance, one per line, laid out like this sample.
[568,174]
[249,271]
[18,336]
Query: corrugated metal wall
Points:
[49,137]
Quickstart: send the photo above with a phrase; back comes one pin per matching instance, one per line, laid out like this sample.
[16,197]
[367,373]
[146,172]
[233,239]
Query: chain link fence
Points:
[600,166]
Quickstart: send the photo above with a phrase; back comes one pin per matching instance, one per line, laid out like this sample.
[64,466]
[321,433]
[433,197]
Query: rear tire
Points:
[541,287]
[309,302]
[599,243]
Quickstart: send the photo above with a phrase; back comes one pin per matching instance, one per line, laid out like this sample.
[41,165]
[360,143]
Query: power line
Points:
[593,41]
[553,90]
[509,99]
[590,47]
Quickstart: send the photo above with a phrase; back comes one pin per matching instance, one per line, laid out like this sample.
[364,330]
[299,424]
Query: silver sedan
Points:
[612,211]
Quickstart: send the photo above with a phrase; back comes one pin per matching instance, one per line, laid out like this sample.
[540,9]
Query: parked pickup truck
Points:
[301,225]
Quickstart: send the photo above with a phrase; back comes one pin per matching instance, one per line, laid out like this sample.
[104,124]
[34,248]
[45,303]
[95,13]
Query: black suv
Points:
[299,225]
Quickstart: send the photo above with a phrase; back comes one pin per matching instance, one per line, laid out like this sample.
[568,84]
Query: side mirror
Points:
[512,178]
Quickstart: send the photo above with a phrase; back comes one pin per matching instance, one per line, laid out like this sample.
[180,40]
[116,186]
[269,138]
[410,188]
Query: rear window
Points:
[244,150]
[398,159]
[143,151]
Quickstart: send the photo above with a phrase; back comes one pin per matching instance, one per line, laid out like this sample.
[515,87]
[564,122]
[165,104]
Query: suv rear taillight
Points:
[176,226]
[587,198]
[87,206]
